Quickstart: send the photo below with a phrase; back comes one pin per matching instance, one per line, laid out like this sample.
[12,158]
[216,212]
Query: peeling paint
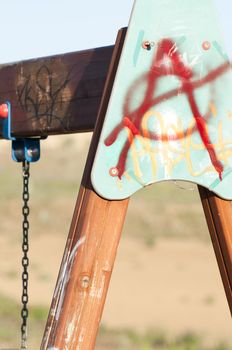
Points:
[97,292]
[107,266]
[81,338]
[70,331]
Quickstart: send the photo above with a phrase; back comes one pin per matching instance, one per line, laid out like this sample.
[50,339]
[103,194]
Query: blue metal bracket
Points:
[23,149]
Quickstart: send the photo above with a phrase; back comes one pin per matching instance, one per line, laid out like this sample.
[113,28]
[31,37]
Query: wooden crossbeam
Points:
[55,95]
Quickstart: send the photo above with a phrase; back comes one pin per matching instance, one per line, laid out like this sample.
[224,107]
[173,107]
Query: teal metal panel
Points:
[170,112]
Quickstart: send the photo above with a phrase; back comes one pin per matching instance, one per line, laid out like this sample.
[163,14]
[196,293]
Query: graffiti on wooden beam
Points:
[42,94]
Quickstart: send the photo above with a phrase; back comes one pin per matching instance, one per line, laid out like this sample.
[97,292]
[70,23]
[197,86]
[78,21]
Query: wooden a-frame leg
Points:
[89,255]
[218,213]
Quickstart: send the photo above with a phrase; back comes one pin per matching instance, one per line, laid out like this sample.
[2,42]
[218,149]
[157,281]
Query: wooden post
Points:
[218,213]
[90,252]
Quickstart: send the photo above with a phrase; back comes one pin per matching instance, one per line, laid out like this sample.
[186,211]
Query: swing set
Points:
[149,102]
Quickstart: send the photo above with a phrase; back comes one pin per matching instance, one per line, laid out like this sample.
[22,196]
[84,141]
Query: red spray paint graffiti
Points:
[133,119]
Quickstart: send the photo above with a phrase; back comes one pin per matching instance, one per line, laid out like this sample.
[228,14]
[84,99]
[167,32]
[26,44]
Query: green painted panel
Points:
[170,112]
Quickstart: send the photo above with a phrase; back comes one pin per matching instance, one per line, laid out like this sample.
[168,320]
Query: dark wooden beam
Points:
[55,95]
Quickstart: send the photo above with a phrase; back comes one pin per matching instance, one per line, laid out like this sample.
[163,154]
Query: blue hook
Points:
[23,149]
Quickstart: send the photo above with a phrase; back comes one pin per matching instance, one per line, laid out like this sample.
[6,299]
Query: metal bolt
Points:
[147,45]
[113,171]
[206,45]
[85,282]
[32,152]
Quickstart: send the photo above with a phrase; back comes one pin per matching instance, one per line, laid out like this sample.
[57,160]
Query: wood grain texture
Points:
[89,255]
[218,213]
[55,95]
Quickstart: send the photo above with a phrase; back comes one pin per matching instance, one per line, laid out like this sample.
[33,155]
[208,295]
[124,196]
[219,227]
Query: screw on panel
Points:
[206,45]
[113,171]
[147,45]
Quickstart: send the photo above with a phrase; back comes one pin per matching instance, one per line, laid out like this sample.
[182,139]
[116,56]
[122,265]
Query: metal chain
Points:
[25,248]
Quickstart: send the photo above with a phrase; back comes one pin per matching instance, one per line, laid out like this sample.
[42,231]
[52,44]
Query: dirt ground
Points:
[173,286]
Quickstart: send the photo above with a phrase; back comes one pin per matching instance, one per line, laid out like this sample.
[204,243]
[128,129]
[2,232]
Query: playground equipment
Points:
[164,103]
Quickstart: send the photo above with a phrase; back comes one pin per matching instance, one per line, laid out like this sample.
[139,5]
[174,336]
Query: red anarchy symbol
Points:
[133,119]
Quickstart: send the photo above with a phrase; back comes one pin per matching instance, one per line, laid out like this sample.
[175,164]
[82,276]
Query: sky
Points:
[37,28]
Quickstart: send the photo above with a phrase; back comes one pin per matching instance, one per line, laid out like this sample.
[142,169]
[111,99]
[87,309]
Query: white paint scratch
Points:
[107,267]
[77,245]
[70,331]
[81,338]
[61,299]
[45,339]
[97,292]
[68,261]
[65,276]
[63,271]
[82,333]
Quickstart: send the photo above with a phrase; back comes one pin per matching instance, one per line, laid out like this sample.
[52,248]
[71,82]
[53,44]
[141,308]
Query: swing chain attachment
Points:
[24,150]
[25,248]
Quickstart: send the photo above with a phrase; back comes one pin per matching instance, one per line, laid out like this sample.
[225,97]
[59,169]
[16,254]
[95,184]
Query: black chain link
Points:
[25,259]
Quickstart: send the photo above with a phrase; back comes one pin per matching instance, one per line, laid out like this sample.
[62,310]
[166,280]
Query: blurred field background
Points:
[165,293]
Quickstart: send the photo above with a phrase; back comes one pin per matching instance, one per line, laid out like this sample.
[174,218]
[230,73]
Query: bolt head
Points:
[206,45]
[146,45]
[32,152]
[113,171]
[85,280]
